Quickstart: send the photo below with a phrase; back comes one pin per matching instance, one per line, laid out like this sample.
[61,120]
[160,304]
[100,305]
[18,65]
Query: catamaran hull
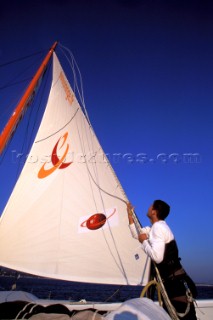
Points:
[139,306]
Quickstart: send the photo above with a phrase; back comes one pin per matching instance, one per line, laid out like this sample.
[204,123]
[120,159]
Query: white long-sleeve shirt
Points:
[158,236]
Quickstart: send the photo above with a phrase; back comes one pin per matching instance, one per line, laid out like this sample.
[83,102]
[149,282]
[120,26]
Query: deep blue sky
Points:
[147,68]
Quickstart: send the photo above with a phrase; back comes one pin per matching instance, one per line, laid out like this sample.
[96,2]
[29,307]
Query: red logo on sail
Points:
[56,162]
[96,221]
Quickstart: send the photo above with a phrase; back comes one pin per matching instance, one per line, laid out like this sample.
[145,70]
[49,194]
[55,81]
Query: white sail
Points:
[66,217]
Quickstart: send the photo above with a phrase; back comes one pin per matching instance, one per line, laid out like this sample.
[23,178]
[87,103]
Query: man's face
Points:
[150,211]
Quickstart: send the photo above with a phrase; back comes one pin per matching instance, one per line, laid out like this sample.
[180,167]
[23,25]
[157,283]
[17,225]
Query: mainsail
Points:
[66,217]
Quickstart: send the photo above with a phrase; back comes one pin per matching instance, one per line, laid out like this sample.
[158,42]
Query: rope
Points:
[161,289]
[23,310]
[93,174]
[171,310]
[190,300]
[20,59]
[15,83]
[161,292]
[116,291]
[149,284]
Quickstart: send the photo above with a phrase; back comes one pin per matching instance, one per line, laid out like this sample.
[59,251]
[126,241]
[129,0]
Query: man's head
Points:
[162,209]
[159,210]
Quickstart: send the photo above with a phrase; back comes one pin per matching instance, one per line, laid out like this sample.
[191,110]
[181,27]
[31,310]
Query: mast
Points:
[24,102]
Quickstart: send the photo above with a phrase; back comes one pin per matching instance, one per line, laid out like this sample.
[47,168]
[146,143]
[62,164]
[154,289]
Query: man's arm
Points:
[155,247]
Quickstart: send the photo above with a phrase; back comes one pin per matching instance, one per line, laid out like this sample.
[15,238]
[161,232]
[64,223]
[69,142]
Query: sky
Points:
[147,69]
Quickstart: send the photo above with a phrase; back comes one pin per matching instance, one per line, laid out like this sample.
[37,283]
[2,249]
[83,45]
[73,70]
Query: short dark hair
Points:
[162,209]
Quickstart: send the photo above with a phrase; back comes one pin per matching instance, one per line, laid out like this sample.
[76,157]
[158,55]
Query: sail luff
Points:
[24,102]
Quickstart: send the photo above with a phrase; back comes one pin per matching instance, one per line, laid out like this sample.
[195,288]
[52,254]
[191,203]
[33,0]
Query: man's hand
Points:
[130,208]
[142,237]
[130,211]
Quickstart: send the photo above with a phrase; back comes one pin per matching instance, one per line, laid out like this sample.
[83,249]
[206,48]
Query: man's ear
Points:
[154,212]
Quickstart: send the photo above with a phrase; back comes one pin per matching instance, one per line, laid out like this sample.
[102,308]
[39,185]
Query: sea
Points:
[73,291]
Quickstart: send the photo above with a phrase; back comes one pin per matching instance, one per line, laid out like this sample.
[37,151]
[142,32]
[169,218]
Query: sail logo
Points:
[58,163]
[68,93]
[98,221]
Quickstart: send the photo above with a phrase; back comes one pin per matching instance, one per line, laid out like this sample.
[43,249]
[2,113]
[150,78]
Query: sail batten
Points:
[66,218]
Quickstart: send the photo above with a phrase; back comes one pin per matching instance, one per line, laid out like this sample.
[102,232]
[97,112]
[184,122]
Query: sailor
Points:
[159,244]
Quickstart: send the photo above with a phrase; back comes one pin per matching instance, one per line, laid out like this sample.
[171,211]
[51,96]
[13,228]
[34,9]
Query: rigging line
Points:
[22,149]
[18,171]
[93,195]
[10,105]
[87,117]
[104,191]
[96,173]
[27,144]
[83,103]
[80,91]
[94,164]
[59,232]
[22,72]
[54,133]
[137,222]
[1,160]
[115,292]
[8,84]
[144,269]
[97,183]
[81,95]
[73,64]
[15,83]
[10,141]
[39,103]
[120,266]
[20,59]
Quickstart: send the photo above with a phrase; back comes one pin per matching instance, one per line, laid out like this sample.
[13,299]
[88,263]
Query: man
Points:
[159,244]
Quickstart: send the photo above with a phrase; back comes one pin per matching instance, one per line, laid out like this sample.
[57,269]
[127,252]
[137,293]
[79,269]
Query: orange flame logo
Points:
[57,163]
